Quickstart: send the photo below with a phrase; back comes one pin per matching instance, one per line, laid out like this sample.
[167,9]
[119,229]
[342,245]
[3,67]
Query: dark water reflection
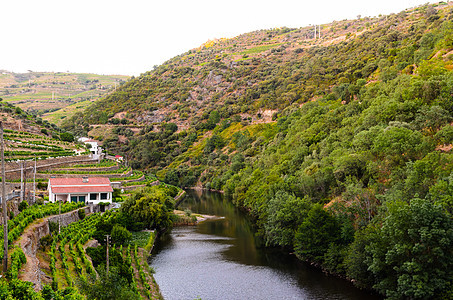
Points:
[218,259]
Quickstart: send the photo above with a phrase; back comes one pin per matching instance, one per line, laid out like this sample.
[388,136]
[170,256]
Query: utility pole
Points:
[34,183]
[107,262]
[59,216]
[5,221]
[319,31]
[25,180]
[315,32]
[21,181]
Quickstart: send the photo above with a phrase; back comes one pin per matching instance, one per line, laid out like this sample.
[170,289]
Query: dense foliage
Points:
[355,169]
[151,206]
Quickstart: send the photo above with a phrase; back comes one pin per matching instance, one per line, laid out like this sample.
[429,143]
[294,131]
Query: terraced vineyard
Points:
[133,256]
[126,176]
[70,265]
[21,145]
[64,267]
[17,225]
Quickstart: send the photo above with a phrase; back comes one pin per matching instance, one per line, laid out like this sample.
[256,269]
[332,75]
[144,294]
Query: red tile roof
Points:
[53,182]
[81,189]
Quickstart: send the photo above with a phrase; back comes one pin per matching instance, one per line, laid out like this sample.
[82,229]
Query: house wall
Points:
[109,200]
[63,198]
[67,197]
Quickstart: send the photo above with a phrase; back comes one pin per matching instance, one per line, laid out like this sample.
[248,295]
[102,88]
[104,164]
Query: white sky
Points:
[131,36]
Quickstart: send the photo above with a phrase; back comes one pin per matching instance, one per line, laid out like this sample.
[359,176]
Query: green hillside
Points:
[339,148]
[55,96]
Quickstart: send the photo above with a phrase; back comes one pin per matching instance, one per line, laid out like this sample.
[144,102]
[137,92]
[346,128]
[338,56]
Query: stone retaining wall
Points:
[48,175]
[13,168]
[104,169]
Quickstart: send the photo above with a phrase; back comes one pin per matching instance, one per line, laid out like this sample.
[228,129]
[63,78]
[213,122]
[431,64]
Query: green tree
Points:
[67,137]
[413,257]
[358,258]
[317,231]
[442,193]
[109,286]
[285,213]
[171,177]
[150,205]
[120,235]
[399,144]
[214,118]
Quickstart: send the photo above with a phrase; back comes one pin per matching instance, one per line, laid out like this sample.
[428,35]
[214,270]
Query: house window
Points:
[77,198]
[93,197]
[103,196]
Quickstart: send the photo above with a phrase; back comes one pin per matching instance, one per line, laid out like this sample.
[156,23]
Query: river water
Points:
[218,259]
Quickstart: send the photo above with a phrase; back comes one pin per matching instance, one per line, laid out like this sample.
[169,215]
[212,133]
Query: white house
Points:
[89,190]
[95,149]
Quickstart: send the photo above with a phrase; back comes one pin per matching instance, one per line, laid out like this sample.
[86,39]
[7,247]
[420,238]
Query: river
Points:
[218,259]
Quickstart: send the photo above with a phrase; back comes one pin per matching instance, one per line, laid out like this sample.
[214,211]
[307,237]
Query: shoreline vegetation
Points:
[187,218]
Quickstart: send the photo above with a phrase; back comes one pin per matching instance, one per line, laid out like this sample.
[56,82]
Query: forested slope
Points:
[339,148]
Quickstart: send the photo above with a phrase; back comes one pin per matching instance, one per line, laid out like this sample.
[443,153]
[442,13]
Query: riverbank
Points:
[143,272]
[221,255]
[187,218]
[199,188]
[199,191]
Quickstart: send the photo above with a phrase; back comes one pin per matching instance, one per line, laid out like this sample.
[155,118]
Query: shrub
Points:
[23,205]
[67,137]
[42,185]
[81,213]
[53,227]
[120,235]
[46,241]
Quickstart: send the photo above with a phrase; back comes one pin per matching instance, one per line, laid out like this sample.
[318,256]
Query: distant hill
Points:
[55,96]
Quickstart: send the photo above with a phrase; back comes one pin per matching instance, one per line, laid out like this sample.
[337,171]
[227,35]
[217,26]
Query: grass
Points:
[66,112]
[141,238]
[257,49]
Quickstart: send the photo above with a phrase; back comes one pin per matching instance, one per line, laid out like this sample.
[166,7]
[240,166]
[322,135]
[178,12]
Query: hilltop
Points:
[55,96]
[252,78]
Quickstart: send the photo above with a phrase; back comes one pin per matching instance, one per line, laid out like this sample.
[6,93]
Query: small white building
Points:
[95,149]
[89,190]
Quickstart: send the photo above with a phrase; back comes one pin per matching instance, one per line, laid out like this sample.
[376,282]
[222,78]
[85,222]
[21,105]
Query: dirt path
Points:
[29,242]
